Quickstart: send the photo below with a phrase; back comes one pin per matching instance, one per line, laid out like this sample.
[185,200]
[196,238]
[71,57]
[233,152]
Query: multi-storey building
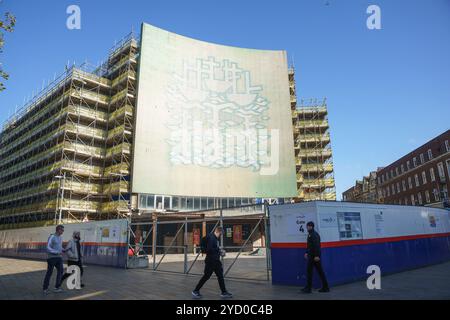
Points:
[68,150]
[67,154]
[363,191]
[422,177]
[314,165]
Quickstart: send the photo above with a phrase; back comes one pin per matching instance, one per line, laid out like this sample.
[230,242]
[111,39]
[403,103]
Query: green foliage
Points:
[6,25]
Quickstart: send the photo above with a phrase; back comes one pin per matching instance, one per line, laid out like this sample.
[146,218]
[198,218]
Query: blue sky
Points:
[388,90]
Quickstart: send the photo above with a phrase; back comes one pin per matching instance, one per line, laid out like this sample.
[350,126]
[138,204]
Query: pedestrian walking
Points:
[313,257]
[54,259]
[74,255]
[210,246]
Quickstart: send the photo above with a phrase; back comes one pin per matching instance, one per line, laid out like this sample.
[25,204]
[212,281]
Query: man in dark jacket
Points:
[312,255]
[213,264]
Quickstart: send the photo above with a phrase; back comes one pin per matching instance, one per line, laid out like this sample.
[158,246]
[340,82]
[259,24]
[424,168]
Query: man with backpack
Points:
[54,259]
[210,246]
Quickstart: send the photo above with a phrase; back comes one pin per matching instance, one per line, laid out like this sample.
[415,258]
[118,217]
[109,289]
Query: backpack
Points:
[203,244]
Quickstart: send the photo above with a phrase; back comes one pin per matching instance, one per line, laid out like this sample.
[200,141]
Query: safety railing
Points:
[316,153]
[129,74]
[124,147]
[127,109]
[120,168]
[316,167]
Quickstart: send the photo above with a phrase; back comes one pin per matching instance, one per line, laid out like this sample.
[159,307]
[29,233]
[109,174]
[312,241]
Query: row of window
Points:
[419,200]
[159,202]
[396,188]
[394,172]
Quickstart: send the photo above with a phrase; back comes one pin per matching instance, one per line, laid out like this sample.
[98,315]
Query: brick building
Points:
[363,191]
[422,177]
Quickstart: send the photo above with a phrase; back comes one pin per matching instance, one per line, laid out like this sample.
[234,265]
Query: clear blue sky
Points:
[388,90]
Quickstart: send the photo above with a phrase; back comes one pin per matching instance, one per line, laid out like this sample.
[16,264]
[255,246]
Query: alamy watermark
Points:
[374,20]
[374,280]
[74,280]
[73,21]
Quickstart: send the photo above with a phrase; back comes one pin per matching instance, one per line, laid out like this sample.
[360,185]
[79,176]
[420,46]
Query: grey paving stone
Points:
[22,279]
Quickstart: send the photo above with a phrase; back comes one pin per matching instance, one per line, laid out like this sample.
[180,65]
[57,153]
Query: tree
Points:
[6,25]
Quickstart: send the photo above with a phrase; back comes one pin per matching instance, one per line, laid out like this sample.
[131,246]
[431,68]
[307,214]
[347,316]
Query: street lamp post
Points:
[61,179]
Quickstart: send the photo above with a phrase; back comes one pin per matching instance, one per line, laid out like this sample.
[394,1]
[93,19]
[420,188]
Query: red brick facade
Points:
[421,177]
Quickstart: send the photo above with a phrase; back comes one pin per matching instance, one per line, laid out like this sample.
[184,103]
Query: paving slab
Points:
[22,279]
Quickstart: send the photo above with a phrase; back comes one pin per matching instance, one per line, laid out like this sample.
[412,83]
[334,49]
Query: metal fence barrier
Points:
[171,241]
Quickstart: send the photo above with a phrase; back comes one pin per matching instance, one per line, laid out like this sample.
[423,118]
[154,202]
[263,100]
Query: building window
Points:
[447,146]
[416,179]
[388,191]
[392,173]
[396,171]
[410,183]
[441,171]
[422,159]
[393,189]
[159,203]
[204,203]
[419,198]
[151,201]
[167,201]
[406,201]
[142,201]
[427,196]
[430,154]
[175,203]
[432,177]
[404,185]
[448,167]
[413,201]
[402,168]
[424,177]
[415,162]
[436,194]
[398,187]
[224,203]
[211,203]
[408,165]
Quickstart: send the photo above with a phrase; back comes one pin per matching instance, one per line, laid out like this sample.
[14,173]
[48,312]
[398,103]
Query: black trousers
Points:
[73,263]
[311,264]
[212,265]
[55,262]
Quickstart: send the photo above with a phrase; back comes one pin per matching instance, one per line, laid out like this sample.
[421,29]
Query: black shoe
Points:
[196,294]
[226,295]
[326,289]
[306,290]
[82,285]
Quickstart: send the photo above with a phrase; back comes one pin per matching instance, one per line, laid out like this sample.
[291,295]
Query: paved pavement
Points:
[22,279]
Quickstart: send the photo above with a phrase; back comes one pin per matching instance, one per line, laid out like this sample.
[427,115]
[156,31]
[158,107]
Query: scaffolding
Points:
[122,70]
[67,153]
[68,150]
[312,146]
